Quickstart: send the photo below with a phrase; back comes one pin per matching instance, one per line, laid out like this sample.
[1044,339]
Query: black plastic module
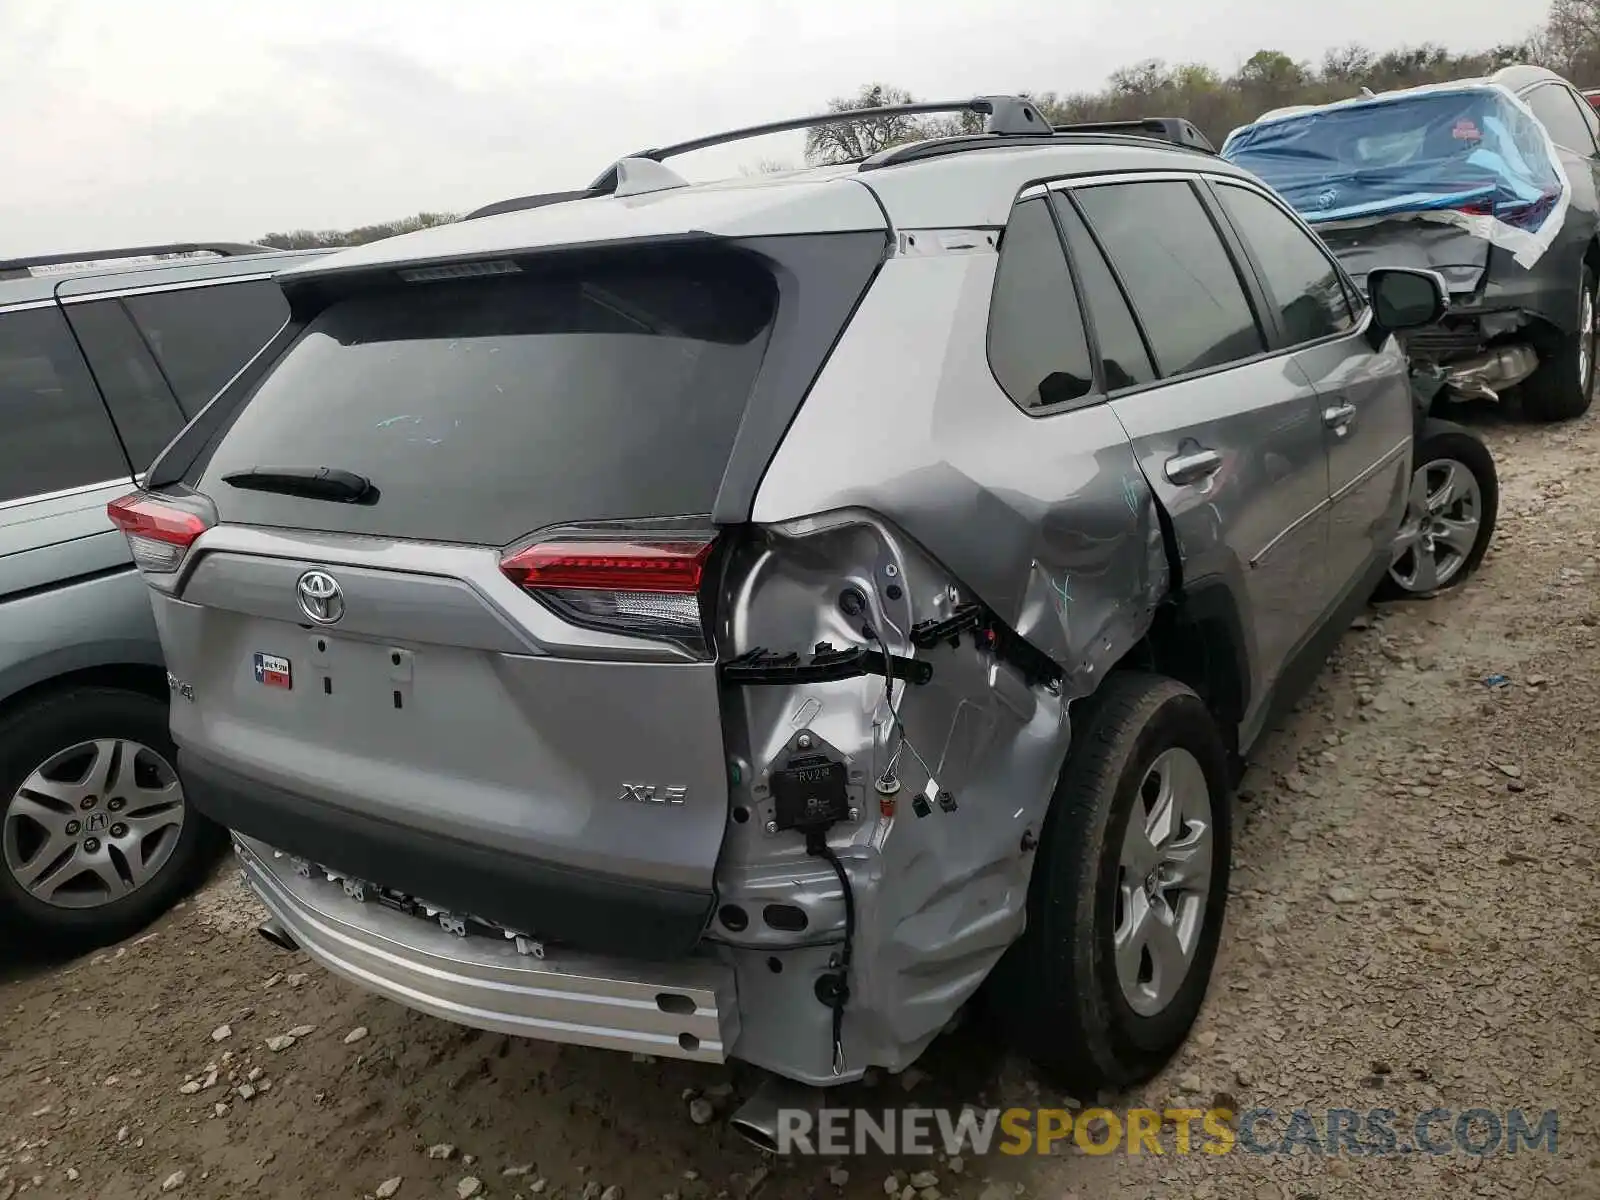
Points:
[810,793]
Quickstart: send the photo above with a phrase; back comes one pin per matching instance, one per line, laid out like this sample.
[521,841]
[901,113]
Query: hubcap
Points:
[1443,518]
[93,823]
[1164,881]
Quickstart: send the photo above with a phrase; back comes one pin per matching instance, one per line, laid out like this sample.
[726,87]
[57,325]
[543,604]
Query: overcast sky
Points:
[148,120]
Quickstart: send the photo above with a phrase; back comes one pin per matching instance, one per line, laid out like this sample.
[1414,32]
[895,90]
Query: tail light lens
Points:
[645,587]
[1529,215]
[159,534]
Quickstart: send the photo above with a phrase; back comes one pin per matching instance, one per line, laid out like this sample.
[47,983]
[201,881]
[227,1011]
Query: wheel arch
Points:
[114,665]
[1198,639]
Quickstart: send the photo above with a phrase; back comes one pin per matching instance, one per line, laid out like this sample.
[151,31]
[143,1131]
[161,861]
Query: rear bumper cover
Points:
[682,1010]
[555,904]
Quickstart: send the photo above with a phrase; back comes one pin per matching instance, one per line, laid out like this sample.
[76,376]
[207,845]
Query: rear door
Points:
[1228,434]
[497,652]
[1364,398]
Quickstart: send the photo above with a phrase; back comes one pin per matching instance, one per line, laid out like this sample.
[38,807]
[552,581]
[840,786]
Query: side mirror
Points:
[1403,298]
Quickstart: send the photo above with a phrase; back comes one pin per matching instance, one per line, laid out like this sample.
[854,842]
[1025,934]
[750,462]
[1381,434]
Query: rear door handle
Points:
[1192,468]
[1339,416]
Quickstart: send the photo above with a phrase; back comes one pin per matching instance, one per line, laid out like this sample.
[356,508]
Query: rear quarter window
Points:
[203,336]
[483,409]
[58,435]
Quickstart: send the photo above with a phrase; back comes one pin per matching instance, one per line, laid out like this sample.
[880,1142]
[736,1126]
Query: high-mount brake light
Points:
[642,587]
[159,534]
[465,270]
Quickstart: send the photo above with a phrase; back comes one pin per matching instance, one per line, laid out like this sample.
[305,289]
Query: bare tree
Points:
[1572,38]
[307,239]
[851,141]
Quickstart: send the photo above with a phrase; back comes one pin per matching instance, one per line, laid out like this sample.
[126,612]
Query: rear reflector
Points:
[638,587]
[159,534]
[670,567]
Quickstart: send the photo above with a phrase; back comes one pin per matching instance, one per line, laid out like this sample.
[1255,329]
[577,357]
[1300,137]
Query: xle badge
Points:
[273,671]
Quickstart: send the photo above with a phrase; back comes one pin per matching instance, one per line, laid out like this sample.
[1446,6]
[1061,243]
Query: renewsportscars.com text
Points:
[1373,1132]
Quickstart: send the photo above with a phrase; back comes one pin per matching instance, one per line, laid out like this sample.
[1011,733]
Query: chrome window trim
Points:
[24,305]
[65,493]
[157,288]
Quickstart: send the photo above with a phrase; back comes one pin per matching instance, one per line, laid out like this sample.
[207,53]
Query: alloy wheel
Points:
[1164,882]
[1443,519]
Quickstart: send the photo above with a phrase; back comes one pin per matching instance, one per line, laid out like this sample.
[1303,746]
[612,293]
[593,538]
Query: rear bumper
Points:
[681,1010]
[554,903]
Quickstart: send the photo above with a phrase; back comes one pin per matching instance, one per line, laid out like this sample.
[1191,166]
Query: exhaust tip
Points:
[758,1135]
[277,935]
[766,1120]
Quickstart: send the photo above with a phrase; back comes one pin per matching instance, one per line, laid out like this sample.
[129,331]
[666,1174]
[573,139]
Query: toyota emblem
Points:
[321,598]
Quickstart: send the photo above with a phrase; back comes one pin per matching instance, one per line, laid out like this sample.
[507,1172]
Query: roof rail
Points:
[15,267]
[1008,115]
[1164,129]
[518,203]
[1013,119]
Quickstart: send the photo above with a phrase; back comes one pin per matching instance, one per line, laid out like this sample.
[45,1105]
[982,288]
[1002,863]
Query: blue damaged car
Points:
[1491,183]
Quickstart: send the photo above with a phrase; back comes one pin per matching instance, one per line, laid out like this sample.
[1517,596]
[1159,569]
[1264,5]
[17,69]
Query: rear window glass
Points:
[484,409]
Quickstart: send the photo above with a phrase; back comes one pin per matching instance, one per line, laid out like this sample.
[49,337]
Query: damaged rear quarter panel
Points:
[911,476]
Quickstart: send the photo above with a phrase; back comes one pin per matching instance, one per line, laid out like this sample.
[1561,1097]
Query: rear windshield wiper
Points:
[314,483]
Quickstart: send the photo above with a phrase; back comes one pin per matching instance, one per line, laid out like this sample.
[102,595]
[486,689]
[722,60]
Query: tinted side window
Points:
[1037,346]
[203,336]
[1179,276]
[147,416]
[1302,278]
[1123,357]
[57,433]
[1557,109]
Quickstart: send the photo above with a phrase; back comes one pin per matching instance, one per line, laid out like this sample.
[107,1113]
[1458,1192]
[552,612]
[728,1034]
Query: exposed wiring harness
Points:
[896,726]
[817,844]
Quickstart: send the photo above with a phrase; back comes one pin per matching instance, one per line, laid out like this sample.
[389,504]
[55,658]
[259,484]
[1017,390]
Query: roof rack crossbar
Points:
[223,249]
[1006,115]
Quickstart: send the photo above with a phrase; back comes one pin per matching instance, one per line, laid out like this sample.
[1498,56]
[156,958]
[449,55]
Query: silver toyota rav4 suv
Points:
[739,620]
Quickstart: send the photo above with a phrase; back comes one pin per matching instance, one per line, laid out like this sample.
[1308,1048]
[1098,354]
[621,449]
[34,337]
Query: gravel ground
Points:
[1415,924]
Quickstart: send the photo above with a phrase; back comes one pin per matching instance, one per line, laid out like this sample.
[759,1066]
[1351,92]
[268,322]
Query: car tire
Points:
[1563,385]
[50,753]
[1450,515]
[1090,1017]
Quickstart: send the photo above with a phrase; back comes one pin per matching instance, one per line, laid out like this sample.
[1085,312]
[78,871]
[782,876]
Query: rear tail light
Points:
[645,587]
[159,533]
[1529,215]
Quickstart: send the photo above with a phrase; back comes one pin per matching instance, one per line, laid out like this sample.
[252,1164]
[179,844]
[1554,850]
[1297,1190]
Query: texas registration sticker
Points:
[272,670]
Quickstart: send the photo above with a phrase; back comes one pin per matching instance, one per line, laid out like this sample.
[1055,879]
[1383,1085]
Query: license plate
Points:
[273,671]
